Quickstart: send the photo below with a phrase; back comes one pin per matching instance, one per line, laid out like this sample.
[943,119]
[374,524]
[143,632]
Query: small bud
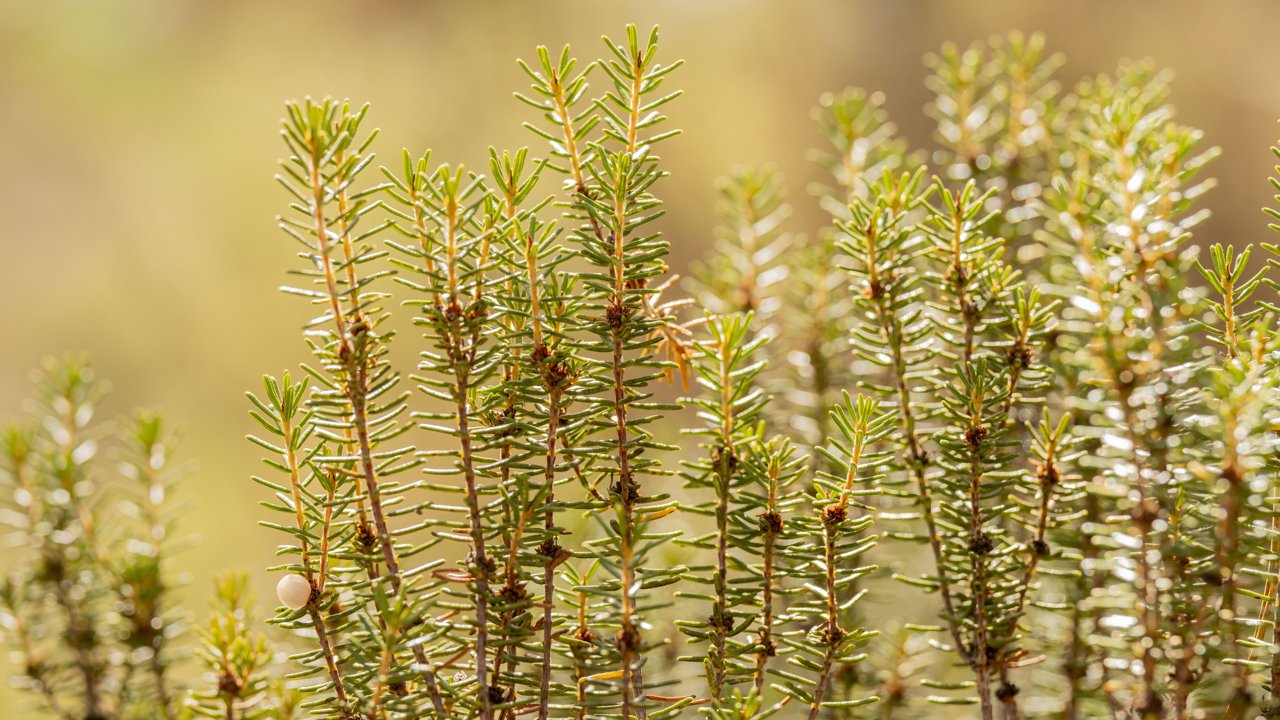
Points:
[1007,692]
[294,591]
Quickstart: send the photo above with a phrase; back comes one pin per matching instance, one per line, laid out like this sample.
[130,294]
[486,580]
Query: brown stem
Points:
[295,483]
[348,247]
[480,561]
[322,242]
[330,659]
[78,626]
[724,476]
[1075,663]
[629,636]
[772,525]
[916,458]
[979,658]
[511,373]
[359,416]
[834,633]
[1048,475]
[570,134]
[157,531]
[380,687]
[1149,507]
[1145,514]
[462,357]
[1228,534]
[632,686]
[512,580]
[549,577]
[357,386]
[981,653]
[325,531]
[832,517]
[291,458]
[718,650]
[162,685]
[583,634]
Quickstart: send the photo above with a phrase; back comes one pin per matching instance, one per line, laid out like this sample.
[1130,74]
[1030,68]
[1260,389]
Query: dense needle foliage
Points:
[997,441]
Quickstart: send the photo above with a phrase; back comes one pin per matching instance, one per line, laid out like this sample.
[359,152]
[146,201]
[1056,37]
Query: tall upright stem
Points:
[917,460]
[629,636]
[481,564]
[549,577]
[834,633]
[317,584]
[724,476]
[979,659]
[351,352]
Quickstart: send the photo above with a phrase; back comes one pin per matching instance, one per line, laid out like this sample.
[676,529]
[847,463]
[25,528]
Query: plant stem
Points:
[1275,628]
[322,241]
[979,660]
[330,658]
[772,523]
[291,458]
[916,458]
[380,686]
[821,375]
[1009,709]
[78,629]
[480,561]
[1145,514]
[549,577]
[1049,477]
[582,634]
[27,656]
[295,482]
[833,516]
[1228,533]
[629,640]
[629,636]
[834,633]
[724,476]
[356,369]
[1149,507]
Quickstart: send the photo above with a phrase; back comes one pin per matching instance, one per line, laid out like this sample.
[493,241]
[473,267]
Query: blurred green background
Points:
[138,140]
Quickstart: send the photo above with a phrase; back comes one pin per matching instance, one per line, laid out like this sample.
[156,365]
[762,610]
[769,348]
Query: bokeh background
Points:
[138,140]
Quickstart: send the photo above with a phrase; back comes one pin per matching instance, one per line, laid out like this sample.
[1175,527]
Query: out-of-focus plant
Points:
[89,608]
[237,656]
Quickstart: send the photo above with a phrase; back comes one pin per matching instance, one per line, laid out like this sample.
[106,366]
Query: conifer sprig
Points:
[618,206]
[236,656]
[727,372]
[356,408]
[461,368]
[747,266]
[837,531]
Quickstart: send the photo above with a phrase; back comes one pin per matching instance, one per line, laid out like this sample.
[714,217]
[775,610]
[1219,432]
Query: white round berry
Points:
[294,591]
